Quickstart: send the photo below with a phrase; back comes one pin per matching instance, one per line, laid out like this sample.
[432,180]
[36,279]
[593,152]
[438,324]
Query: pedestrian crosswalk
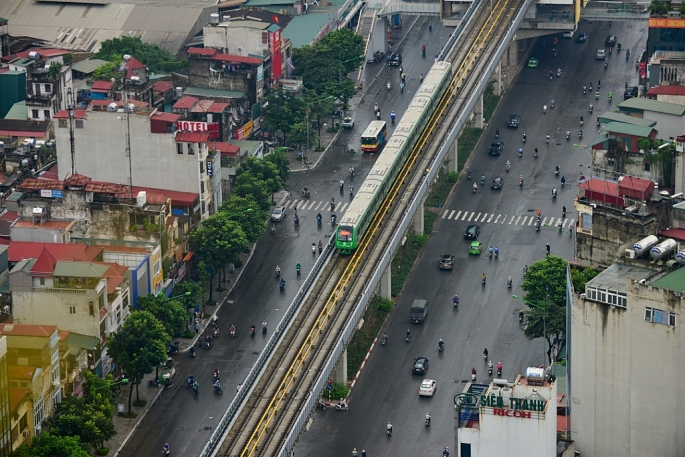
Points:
[473,217]
[452,215]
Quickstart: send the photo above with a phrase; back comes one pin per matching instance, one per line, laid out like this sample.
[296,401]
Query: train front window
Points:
[344,233]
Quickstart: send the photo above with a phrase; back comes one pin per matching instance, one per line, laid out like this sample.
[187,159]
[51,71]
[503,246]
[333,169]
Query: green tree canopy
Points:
[219,241]
[298,135]
[282,109]
[658,7]
[155,58]
[172,314]
[247,213]
[49,445]
[579,277]
[546,280]
[187,293]
[280,160]
[107,71]
[139,346]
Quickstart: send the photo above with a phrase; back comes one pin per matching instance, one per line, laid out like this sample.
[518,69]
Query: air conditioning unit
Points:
[25,433]
[149,248]
[630,253]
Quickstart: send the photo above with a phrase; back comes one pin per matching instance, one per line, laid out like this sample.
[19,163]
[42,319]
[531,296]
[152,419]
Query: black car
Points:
[420,366]
[447,262]
[631,92]
[611,40]
[496,148]
[514,121]
[581,38]
[472,232]
[497,184]
[395,60]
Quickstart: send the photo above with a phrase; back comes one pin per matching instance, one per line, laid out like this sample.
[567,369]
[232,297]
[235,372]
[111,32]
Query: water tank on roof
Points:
[127,57]
[112,107]
[179,92]
[680,257]
[136,80]
[34,55]
[505,392]
[645,244]
[129,107]
[662,249]
[225,18]
[214,18]
[141,199]
[535,375]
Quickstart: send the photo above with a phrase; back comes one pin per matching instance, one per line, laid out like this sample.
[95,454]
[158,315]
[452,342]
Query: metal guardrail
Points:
[265,356]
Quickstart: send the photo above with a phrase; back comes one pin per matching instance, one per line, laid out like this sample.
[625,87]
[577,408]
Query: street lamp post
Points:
[308,110]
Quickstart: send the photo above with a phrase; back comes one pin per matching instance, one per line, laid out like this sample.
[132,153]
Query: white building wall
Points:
[628,394]
[101,153]
[235,40]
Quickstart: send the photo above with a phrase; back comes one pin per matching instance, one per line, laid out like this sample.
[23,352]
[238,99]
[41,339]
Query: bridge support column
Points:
[386,281]
[478,113]
[418,220]
[512,54]
[452,161]
[497,87]
[340,372]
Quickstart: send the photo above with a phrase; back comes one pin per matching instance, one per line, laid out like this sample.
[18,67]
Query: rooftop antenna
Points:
[70,111]
[128,111]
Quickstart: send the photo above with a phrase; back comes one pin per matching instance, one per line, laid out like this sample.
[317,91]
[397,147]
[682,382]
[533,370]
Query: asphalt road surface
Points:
[186,422]
[487,316]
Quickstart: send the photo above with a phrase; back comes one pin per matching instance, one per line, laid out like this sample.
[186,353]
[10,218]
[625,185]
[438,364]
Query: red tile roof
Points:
[17,396]
[162,86]
[64,114]
[60,251]
[44,52]
[226,149]
[634,187]
[10,216]
[102,85]
[165,117]
[114,277]
[40,184]
[191,137]
[218,107]
[77,180]
[34,134]
[201,51]
[185,102]
[45,264]
[177,198]
[133,63]
[44,331]
[675,233]
[237,59]
[202,106]
[666,90]
[106,188]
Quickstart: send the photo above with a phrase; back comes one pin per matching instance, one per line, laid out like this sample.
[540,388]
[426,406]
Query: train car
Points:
[360,212]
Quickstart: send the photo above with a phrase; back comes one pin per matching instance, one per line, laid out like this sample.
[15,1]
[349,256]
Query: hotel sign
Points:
[502,406]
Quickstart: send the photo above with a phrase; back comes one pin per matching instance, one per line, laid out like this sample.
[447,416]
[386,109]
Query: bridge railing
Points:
[265,356]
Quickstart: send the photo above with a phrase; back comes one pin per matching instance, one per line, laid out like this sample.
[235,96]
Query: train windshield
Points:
[344,233]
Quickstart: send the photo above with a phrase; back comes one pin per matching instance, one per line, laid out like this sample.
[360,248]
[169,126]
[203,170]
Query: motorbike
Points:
[215,333]
[408,338]
[423,52]
[606,65]
[580,134]
[384,341]
[342,407]
[428,421]
[378,115]
[165,451]
[521,317]
[297,221]
[401,87]
[551,75]
[233,333]
[389,85]
[591,108]
[473,376]
[389,431]
[598,122]
[556,172]
[208,344]
[153,383]
[298,268]
[475,188]
[252,331]
[483,281]
[218,390]
[192,352]
[509,283]
[305,193]
[392,119]
[584,90]
[568,135]
[278,272]
[489,370]
[281,285]
[318,221]
[520,152]
[195,389]
[441,347]
[524,137]
[323,404]
[469,174]
[537,226]
[521,182]
[627,54]
[263,329]
[508,166]
[273,229]
[499,372]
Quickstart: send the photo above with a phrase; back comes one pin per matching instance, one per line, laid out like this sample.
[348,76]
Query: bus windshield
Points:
[374,136]
[344,233]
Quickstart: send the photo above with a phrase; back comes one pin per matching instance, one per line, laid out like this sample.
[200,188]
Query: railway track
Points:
[268,415]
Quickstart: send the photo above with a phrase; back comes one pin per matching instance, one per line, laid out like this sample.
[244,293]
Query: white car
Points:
[428,387]
[278,214]
[568,34]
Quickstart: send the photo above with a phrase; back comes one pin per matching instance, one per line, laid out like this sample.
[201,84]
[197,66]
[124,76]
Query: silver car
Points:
[278,213]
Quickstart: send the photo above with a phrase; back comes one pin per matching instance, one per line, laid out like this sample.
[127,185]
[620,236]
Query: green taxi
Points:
[532,62]
[475,248]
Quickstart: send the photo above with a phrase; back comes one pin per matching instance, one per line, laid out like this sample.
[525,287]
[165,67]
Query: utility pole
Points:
[70,110]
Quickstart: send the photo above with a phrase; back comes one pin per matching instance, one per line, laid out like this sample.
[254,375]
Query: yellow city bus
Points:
[374,136]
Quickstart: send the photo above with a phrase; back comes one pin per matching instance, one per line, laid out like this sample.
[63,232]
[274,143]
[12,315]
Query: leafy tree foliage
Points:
[49,445]
[54,70]
[187,293]
[546,281]
[580,277]
[171,313]
[89,417]
[138,347]
[219,241]
[247,213]
[282,110]
[155,58]
[658,7]
[247,185]
[546,320]
[298,135]
[106,72]
[263,170]
[282,163]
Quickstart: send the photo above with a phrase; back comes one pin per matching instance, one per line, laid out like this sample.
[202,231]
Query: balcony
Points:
[38,100]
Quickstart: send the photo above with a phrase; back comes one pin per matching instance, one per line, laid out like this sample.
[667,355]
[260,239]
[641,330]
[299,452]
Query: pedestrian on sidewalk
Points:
[197,328]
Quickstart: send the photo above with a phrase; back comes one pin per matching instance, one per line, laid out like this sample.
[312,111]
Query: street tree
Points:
[546,280]
[263,170]
[281,110]
[187,292]
[172,314]
[547,320]
[298,135]
[580,277]
[247,213]
[108,71]
[219,241]
[50,445]
[138,347]
[88,417]
[658,7]
[248,185]
[345,45]
[280,160]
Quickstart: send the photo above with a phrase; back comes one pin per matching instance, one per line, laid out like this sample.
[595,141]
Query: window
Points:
[658,316]
[101,301]
[647,166]
[54,375]
[23,423]
[202,167]
[179,148]
[202,187]
[62,123]
[91,308]
[609,297]
[265,38]
[46,114]
[34,113]
[42,281]
[72,309]
[79,123]
[118,314]
[48,88]
[190,150]
[157,267]
[38,412]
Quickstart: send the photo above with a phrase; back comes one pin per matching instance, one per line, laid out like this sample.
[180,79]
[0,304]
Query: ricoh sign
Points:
[501,406]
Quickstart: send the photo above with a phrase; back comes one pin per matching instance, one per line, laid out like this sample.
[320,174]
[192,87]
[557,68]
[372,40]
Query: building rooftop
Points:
[49,224]
[17,396]
[81,269]
[18,111]
[665,90]
[88,66]
[43,331]
[616,277]
[645,104]
[610,116]
[628,129]
[302,30]
[219,93]
[162,86]
[19,250]
[191,137]
[674,280]
[185,102]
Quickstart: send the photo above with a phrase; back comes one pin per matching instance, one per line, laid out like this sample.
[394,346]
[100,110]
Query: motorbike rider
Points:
[428,418]
[441,344]
[264,326]
[318,218]
[554,191]
[278,270]
[508,164]
[490,250]
[342,403]
[421,77]
[392,115]
[282,284]
[192,351]
[234,329]
[496,251]
[499,367]
[352,172]
[217,385]
[563,181]
[475,187]
[455,300]
[524,137]
[473,371]
[483,278]
[408,333]
[520,152]
[351,192]
[446,452]
[165,449]
[568,134]
[423,50]
[402,86]
[389,427]
[556,170]
[497,133]
[385,337]
[215,374]
[191,380]
[485,352]
[548,138]
[536,152]
[252,330]
[320,246]
[521,180]
[490,366]
[563,211]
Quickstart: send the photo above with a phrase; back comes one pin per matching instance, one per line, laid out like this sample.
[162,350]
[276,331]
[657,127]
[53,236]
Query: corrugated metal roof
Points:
[628,129]
[609,116]
[646,104]
[672,281]
[303,29]
[80,269]
[203,92]
[18,111]
[88,66]
[77,26]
